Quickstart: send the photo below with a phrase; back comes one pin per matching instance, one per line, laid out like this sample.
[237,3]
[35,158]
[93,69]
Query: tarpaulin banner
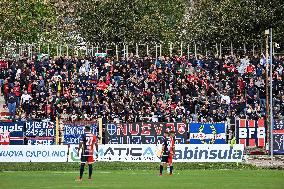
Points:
[73,132]
[40,129]
[278,137]
[40,141]
[12,132]
[250,132]
[35,153]
[207,133]
[143,133]
[150,153]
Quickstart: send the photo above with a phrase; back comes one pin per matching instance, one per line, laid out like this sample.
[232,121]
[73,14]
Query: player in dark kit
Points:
[87,142]
[172,151]
[165,152]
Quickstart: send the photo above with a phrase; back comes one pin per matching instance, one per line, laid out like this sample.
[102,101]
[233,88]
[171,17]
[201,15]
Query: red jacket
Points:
[17,90]
[101,86]
[6,88]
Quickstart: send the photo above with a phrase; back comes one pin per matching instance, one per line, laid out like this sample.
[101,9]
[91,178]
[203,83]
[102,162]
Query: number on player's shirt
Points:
[89,140]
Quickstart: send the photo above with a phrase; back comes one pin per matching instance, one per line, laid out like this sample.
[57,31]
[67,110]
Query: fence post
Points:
[171,49]
[181,49]
[245,49]
[116,52]
[160,50]
[67,50]
[253,49]
[137,50]
[48,49]
[100,120]
[195,51]
[156,46]
[92,50]
[147,49]
[188,52]
[126,52]
[232,51]
[57,131]
[220,49]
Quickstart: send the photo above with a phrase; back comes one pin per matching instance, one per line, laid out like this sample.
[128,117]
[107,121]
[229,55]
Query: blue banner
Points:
[40,141]
[207,133]
[16,131]
[72,133]
[40,129]
[278,137]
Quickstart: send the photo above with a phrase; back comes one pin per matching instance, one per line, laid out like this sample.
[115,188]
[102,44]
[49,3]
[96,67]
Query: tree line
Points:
[205,22]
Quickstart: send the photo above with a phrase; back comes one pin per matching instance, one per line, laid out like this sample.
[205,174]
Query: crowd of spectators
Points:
[167,89]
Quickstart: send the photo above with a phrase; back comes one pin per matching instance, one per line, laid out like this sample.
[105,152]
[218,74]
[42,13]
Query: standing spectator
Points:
[12,100]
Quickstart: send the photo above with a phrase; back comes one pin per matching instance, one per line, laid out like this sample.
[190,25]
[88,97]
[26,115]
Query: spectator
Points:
[12,101]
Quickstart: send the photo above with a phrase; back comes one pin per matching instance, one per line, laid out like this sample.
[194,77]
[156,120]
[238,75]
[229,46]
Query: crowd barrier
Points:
[123,153]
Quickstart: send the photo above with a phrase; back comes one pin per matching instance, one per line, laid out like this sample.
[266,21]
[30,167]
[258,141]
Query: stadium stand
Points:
[206,89]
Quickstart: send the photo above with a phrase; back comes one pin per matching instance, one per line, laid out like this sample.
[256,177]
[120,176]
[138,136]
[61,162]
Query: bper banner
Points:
[278,137]
[207,133]
[148,153]
[250,132]
[73,132]
[143,133]
[12,133]
[33,153]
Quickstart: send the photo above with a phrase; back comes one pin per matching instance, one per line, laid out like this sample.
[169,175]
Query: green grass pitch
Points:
[115,179]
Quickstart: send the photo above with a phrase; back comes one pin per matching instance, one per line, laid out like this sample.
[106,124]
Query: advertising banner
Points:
[150,153]
[12,132]
[250,132]
[143,133]
[40,129]
[28,153]
[73,132]
[278,137]
[207,133]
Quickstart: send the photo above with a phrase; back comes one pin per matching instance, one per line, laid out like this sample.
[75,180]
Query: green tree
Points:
[27,21]
[136,21]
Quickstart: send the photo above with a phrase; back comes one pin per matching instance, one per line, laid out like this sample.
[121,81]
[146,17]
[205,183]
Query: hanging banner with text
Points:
[143,133]
[250,132]
[207,133]
[12,133]
[278,137]
[73,132]
[40,129]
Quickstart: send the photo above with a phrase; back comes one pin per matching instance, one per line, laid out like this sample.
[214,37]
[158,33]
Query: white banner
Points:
[35,153]
[150,153]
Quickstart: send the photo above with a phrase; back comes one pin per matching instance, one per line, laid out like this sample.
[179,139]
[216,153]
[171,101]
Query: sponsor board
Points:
[35,153]
[148,153]
[143,133]
[207,133]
